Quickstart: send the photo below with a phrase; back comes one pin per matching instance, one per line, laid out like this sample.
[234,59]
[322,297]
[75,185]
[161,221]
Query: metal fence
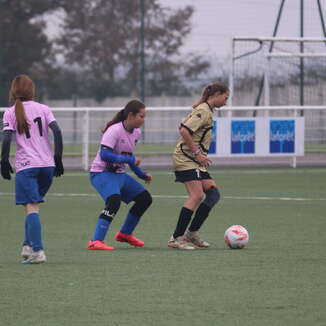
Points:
[82,128]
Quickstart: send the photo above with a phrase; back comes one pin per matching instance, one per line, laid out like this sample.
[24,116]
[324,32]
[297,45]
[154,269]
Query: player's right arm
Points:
[189,126]
[108,143]
[8,130]
[197,153]
[107,155]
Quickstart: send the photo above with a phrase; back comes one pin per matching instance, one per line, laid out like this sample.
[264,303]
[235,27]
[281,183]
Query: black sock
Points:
[184,219]
[200,217]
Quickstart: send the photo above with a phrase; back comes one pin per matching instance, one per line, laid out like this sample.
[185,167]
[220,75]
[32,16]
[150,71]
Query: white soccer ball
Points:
[236,237]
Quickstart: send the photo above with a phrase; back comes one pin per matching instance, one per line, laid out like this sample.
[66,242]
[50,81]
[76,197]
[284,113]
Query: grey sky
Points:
[216,21]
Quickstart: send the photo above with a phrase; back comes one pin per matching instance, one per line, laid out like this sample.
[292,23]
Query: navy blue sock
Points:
[27,241]
[101,230]
[34,230]
[129,224]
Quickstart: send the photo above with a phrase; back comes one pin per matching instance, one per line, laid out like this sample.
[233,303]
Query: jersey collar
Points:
[130,132]
[212,109]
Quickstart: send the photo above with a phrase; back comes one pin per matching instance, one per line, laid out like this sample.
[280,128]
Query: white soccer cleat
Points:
[179,243]
[195,239]
[37,257]
[26,251]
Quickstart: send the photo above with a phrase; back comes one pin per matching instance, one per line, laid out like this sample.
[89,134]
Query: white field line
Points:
[221,172]
[55,194]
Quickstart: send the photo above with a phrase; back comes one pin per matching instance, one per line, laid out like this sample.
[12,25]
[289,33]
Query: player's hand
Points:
[203,160]
[148,178]
[6,169]
[137,160]
[59,169]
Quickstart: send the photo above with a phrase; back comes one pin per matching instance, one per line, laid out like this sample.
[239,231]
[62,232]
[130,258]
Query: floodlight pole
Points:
[322,21]
[142,51]
[301,51]
[321,17]
[278,19]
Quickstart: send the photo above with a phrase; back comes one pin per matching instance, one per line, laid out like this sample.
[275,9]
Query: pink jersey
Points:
[33,148]
[121,141]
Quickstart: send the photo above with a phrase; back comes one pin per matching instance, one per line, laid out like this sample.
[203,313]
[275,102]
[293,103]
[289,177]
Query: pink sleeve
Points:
[110,137]
[8,123]
[139,134]
[49,115]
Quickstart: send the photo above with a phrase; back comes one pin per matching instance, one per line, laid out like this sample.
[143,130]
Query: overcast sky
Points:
[216,21]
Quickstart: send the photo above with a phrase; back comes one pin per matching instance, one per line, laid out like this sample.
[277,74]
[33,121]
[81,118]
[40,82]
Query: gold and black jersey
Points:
[199,124]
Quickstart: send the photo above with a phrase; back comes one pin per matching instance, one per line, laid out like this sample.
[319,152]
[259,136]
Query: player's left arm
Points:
[58,148]
[140,173]
[57,135]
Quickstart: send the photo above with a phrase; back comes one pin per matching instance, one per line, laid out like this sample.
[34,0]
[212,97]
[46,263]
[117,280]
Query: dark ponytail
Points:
[22,89]
[133,106]
[211,90]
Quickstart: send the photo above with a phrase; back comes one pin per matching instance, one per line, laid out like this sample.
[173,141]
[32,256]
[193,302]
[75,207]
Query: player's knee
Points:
[212,197]
[142,202]
[112,206]
[197,197]
[144,199]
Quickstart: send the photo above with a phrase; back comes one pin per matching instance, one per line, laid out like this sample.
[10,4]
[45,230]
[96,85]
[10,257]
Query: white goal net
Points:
[278,71]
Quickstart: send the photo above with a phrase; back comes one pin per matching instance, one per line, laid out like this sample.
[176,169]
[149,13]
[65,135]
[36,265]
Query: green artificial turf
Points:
[279,279]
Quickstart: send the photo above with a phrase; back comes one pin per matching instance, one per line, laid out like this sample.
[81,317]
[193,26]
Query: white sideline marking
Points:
[221,172]
[56,194]
[250,198]
[274,198]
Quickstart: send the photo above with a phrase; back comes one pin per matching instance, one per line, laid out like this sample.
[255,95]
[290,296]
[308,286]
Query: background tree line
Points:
[97,53]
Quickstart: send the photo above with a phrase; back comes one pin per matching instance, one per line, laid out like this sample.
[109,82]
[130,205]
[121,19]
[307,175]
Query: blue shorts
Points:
[110,183]
[32,185]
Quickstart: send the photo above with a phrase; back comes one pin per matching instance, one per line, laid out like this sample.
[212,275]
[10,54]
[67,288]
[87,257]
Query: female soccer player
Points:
[34,161]
[190,166]
[109,178]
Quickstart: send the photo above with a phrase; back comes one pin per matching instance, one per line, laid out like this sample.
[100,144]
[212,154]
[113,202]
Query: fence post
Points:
[294,158]
[86,140]
[231,77]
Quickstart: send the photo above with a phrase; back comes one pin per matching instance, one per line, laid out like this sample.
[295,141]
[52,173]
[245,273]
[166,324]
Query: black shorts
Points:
[191,175]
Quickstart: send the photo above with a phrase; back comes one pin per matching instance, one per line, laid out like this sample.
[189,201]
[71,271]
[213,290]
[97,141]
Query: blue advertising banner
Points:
[243,136]
[282,136]
[213,145]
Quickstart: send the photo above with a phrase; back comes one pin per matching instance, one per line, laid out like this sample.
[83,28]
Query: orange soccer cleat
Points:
[98,245]
[132,240]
